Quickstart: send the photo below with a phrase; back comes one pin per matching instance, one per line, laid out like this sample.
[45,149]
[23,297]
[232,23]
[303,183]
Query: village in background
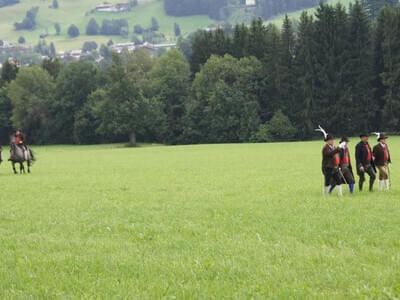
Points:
[155,43]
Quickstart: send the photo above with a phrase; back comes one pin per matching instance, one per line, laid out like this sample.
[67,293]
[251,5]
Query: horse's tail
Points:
[32,155]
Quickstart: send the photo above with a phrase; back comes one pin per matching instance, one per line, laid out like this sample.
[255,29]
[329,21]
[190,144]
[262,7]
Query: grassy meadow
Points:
[204,222]
[75,12]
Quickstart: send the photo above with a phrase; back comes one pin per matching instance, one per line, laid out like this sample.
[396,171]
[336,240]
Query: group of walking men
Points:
[337,167]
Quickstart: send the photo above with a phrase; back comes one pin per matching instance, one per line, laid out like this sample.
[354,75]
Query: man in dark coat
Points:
[365,162]
[382,160]
[330,166]
[345,165]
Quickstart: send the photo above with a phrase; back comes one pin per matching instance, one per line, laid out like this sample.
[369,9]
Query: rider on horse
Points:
[19,139]
[19,152]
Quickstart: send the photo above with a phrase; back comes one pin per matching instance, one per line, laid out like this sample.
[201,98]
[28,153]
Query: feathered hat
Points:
[380,136]
[327,136]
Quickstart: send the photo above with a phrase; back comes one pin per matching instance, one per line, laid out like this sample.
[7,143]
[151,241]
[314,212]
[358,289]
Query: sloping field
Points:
[209,221]
[78,12]
[74,12]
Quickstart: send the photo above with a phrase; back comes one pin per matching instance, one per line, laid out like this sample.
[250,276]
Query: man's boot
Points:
[380,185]
[360,185]
[387,184]
[325,190]
[340,190]
[371,185]
[351,188]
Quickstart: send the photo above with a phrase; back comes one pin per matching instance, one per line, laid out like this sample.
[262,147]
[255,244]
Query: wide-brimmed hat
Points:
[382,136]
[344,139]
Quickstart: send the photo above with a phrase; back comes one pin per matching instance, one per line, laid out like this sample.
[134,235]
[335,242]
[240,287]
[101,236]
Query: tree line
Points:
[8,2]
[257,83]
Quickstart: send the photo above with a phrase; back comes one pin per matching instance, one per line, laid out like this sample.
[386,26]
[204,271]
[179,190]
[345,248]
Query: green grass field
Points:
[188,222]
[74,12]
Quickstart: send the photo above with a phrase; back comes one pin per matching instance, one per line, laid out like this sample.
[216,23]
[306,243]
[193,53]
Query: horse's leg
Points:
[21,168]
[28,162]
[13,166]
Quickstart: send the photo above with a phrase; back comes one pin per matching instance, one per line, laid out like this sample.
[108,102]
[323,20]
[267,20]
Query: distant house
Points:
[121,46]
[215,28]
[71,55]
[109,7]
[122,7]
[166,46]
[105,7]
[7,45]
[250,2]
[149,48]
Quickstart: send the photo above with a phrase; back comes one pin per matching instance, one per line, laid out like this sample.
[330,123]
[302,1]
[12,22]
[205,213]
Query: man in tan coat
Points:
[382,160]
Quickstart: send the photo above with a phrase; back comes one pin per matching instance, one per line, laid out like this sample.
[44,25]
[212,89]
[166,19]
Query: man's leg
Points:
[381,178]
[338,181]
[372,177]
[361,180]
[329,181]
[385,175]
[325,190]
[349,179]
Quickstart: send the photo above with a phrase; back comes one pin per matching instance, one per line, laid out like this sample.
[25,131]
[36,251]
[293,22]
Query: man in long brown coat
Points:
[382,160]
[330,166]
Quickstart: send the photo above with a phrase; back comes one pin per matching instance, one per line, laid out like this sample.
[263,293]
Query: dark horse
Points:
[20,155]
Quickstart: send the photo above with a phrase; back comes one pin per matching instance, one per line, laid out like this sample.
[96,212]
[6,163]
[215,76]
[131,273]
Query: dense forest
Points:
[337,68]
[374,6]
[8,2]
[195,7]
[218,9]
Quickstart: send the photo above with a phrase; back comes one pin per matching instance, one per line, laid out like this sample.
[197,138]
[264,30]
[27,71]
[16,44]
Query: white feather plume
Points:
[320,129]
[377,134]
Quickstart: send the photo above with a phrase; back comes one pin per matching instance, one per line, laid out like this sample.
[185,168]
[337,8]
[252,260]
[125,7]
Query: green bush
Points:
[262,135]
[279,128]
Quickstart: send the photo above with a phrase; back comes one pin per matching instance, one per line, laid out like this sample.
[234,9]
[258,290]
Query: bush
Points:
[262,135]
[29,22]
[114,27]
[138,29]
[89,46]
[92,27]
[279,128]
[73,31]
[177,29]
[21,40]
[154,24]
[8,2]
[136,39]
[57,27]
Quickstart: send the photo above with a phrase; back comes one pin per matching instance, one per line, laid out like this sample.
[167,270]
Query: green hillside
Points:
[78,12]
[75,12]
[296,14]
